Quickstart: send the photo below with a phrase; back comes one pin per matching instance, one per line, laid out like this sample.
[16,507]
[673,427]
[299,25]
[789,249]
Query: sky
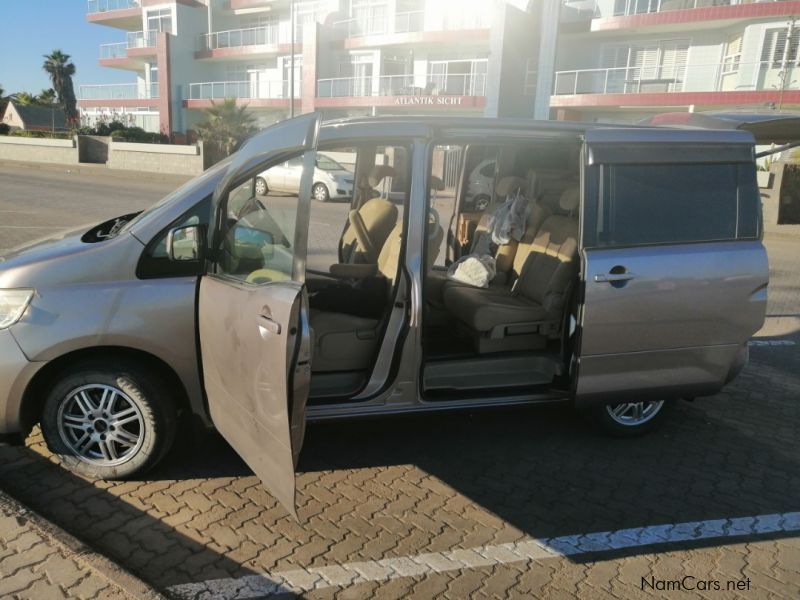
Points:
[40,26]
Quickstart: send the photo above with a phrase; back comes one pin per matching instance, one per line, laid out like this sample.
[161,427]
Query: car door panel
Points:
[254,335]
[251,339]
[668,319]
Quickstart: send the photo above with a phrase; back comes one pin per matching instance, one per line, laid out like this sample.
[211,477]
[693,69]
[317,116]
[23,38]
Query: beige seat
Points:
[344,342]
[370,224]
[508,268]
[525,315]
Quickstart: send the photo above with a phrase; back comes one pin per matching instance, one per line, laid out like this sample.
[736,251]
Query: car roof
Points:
[431,126]
[767,126]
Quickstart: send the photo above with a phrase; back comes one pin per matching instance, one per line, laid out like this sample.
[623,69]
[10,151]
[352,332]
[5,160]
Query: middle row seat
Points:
[546,261]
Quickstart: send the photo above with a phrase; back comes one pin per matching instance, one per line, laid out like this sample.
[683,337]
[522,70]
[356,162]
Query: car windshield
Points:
[194,182]
[326,163]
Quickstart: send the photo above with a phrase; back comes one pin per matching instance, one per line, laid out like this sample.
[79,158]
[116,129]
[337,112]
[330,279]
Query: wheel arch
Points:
[34,395]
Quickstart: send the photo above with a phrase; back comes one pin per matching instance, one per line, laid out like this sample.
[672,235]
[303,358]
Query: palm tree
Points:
[47,97]
[25,98]
[227,125]
[58,66]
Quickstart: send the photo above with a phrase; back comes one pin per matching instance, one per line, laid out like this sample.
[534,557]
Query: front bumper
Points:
[16,372]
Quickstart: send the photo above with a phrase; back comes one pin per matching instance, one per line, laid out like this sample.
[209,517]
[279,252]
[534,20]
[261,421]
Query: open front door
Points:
[674,271]
[253,309]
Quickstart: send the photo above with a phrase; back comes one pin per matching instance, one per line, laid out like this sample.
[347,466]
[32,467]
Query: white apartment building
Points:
[624,60]
[341,57]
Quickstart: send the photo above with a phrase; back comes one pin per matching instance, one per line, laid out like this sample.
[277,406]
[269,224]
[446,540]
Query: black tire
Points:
[320,192]
[261,184]
[153,426]
[615,428]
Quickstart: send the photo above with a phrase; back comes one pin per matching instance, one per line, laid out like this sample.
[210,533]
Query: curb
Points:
[116,575]
[90,169]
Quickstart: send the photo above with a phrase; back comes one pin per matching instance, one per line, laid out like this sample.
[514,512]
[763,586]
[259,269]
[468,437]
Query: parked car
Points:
[480,184]
[639,280]
[331,180]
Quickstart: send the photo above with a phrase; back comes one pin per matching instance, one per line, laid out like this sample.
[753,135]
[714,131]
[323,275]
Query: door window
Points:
[258,239]
[657,204]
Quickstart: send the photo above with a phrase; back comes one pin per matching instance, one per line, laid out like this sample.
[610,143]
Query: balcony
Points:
[243,38]
[411,22]
[125,14]
[613,15]
[118,91]
[98,6]
[136,40]
[402,85]
[728,82]
[258,93]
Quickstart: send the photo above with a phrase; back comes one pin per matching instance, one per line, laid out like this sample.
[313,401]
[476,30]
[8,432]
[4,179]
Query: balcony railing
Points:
[717,77]
[247,90]
[409,22]
[617,8]
[402,85]
[136,39]
[237,38]
[98,6]
[119,91]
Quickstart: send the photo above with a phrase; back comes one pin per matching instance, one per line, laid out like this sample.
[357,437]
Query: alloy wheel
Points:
[101,425]
[631,414]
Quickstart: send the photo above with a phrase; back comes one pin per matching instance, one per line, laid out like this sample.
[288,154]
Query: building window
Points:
[733,54]
[371,16]
[657,66]
[160,20]
[775,49]
[458,77]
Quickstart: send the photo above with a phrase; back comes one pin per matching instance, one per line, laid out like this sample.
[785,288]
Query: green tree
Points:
[227,125]
[58,66]
[24,98]
[47,97]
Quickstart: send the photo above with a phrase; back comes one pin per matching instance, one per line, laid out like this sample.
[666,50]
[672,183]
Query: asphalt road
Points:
[509,504]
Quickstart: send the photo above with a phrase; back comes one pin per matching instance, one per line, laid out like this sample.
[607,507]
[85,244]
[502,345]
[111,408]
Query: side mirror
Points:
[186,243]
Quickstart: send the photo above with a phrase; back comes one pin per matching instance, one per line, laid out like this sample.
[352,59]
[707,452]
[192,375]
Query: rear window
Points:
[672,204]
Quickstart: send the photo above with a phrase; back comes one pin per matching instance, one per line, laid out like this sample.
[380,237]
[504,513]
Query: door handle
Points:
[267,323]
[614,277]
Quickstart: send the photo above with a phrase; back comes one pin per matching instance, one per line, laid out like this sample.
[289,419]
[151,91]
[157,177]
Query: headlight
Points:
[12,306]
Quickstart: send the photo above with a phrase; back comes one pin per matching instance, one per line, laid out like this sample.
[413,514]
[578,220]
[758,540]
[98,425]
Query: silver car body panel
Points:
[88,295]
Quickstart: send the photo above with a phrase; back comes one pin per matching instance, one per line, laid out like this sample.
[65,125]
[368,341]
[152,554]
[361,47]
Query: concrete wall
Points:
[157,158]
[93,148]
[42,150]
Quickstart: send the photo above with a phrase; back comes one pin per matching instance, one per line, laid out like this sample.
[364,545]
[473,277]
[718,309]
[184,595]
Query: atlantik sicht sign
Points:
[429,100]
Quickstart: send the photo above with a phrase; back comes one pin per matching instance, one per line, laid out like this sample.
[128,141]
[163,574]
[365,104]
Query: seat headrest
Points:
[378,173]
[570,198]
[509,185]
[436,183]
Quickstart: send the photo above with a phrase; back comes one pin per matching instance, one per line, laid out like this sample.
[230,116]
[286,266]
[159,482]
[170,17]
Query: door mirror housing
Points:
[186,243]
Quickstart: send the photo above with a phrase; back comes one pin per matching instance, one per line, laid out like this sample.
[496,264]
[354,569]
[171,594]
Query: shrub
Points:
[4,129]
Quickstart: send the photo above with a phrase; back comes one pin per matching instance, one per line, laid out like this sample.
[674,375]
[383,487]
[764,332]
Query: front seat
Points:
[525,316]
[370,224]
[347,342]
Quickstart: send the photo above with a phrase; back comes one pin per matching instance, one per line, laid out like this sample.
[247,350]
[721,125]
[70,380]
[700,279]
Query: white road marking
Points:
[302,580]
[31,227]
[783,343]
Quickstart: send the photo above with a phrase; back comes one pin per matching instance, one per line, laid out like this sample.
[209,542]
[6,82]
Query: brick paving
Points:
[371,490]
[35,564]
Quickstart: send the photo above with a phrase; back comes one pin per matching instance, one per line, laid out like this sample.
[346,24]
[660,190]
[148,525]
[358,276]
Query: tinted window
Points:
[654,204]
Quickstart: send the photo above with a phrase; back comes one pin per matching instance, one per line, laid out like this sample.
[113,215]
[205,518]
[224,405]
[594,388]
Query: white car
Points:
[332,181]
[480,185]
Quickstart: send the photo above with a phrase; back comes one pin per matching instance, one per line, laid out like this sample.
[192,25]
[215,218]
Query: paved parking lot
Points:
[517,503]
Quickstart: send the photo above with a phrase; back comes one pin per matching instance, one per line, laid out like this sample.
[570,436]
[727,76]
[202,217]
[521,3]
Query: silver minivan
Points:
[634,274]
